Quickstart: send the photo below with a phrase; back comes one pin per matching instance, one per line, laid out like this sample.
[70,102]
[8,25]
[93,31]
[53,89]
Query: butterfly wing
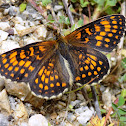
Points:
[37,64]
[103,34]
[91,65]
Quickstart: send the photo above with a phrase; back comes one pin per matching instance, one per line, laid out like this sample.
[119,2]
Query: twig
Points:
[89,12]
[96,104]
[68,12]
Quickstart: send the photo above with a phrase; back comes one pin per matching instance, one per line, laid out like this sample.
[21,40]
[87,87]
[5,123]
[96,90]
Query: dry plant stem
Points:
[68,12]
[89,12]
[120,45]
[96,104]
[107,116]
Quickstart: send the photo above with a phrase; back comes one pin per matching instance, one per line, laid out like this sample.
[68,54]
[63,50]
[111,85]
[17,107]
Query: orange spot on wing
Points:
[48,73]
[99,37]
[27,63]
[41,85]
[97,28]
[87,31]
[32,51]
[26,75]
[46,87]
[110,34]
[78,78]
[50,64]
[95,73]
[86,67]
[114,22]
[106,45]
[31,68]
[51,85]
[107,39]
[92,67]
[22,55]
[98,43]
[13,59]
[78,36]
[12,75]
[21,63]
[100,62]
[114,31]
[36,80]
[56,76]
[41,71]
[83,75]
[115,26]
[58,84]
[104,22]
[80,56]
[13,54]
[63,84]
[43,77]
[51,78]
[46,80]
[98,68]
[6,65]
[102,33]
[4,61]
[16,69]
[15,63]
[10,68]
[22,71]
[81,69]
[93,63]
[41,48]
[89,73]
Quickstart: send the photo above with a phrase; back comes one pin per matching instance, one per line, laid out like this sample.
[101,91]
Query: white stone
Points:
[58,7]
[3,35]
[37,120]
[73,103]
[4,26]
[84,114]
[107,98]
[40,32]
[4,103]
[8,45]
[30,40]
[19,27]
[20,111]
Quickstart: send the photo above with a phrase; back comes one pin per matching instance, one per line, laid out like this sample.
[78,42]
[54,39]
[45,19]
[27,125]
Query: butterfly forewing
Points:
[103,34]
[92,65]
[21,64]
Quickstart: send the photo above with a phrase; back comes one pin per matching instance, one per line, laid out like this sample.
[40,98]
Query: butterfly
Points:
[49,68]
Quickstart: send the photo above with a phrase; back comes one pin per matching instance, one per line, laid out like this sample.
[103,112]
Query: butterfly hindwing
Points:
[103,34]
[52,79]
[92,64]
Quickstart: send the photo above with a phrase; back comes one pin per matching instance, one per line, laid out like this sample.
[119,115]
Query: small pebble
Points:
[2,82]
[4,26]
[8,45]
[3,35]
[107,98]
[84,114]
[37,120]
[4,103]
[3,120]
